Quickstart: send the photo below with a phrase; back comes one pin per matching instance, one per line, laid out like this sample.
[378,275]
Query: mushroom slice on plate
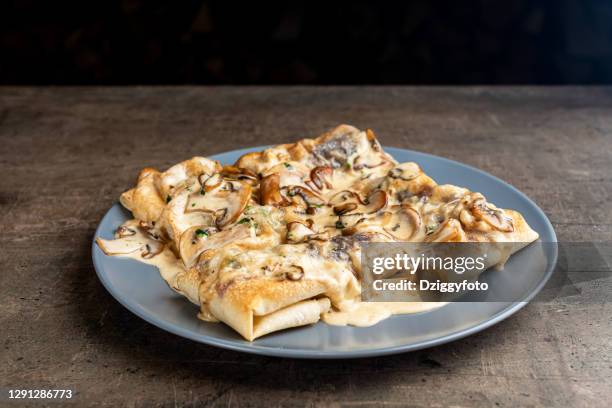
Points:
[404,223]
[209,183]
[492,216]
[405,171]
[121,246]
[320,177]
[238,173]
[226,202]
[345,208]
[294,273]
[125,231]
[374,143]
[270,191]
[350,203]
[196,240]
[345,196]
[376,201]
[299,194]
[361,162]
[135,240]
[151,249]
[374,223]
[177,219]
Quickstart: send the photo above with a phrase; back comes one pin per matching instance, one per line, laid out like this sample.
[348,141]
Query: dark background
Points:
[306,42]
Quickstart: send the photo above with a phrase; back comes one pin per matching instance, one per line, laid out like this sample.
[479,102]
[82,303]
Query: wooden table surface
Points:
[67,153]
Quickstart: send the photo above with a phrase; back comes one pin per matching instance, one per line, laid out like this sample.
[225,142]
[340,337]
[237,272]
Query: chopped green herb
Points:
[287,165]
[193,204]
[201,233]
[245,220]
[347,165]
[168,199]
[316,205]
[339,225]
[430,229]
[202,191]
[233,263]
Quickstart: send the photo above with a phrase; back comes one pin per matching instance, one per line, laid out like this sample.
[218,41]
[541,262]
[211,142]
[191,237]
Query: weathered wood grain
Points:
[67,153]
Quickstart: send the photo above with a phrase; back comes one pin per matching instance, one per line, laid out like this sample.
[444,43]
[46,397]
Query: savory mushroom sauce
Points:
[296,212]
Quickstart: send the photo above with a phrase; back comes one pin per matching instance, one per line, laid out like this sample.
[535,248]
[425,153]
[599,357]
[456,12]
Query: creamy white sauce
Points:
[366,314]
[168,265]
[354,313]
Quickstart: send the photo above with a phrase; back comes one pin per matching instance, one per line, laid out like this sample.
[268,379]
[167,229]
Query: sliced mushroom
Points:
[313,210]
[229,186]
[225,203]
[220,215]
[203,177]
[492,216]
[138,240]
[210,183]
[294,273]
[404,224]
[376,201]
[151,249]
[239,173]
[196,240]
[146,225]
[360,163]
[405,171]
[345,208]
[178,218]
[373,141]
[235,208]
[345,196]
[270,191]
[321,175]
[349,203]
[297,232]
[356,223]
[125,231]
[307,195]
[355,227]
[122,246]
[148,228]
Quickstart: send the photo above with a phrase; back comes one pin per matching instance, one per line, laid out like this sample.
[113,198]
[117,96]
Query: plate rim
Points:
[252,348]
